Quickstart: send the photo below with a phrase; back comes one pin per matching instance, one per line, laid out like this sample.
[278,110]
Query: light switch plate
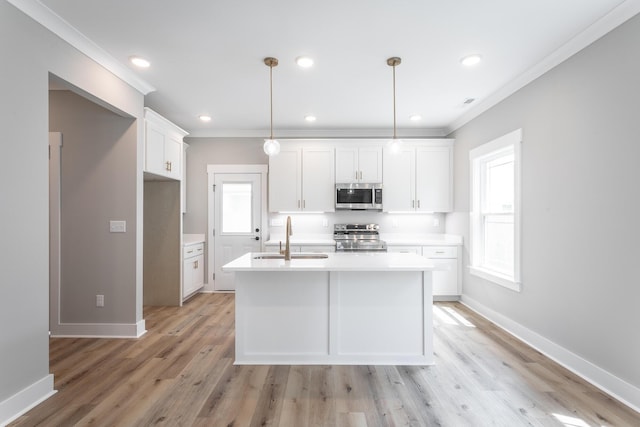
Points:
[117,226]
[277,222]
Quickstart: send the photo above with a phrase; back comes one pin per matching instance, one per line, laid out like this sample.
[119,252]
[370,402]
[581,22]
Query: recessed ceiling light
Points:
[310,118]
[139,62]
[415,117]
[205,118]
[471,60]
[304,61]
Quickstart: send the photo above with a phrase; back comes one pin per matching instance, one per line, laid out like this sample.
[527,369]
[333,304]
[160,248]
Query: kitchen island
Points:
[341,308]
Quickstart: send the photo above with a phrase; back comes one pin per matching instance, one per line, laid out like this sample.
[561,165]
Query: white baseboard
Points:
[24,400]
[99,330]
[604,380]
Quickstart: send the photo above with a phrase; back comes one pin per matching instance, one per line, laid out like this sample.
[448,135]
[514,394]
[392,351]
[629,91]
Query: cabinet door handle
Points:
[413,204]
[439,252]
[195,264]
[190,252]
[304,204]
[418,204]
[356,175]
[298,204]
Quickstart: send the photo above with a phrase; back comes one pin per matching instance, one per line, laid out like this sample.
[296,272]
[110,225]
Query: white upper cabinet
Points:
[163,146]
[359,164]
[419,177]
[285,179]
[434,179]
[399,180]
[302,178]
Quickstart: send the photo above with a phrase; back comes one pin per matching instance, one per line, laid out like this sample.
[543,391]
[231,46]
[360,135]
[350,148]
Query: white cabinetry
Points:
[446,280]
[323,249]
[301,178]
[192,269]
[163,146]
[359,164]
[419,177]
[446,283]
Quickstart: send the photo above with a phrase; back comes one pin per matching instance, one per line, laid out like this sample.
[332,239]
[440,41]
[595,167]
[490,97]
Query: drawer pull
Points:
[439,252]
[190,252]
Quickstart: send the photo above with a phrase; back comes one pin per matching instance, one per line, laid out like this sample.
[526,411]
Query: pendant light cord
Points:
[392,62]
[271,97]
[394,102]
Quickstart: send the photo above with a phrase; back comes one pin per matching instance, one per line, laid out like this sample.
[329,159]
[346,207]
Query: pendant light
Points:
[394,143]
[271,146]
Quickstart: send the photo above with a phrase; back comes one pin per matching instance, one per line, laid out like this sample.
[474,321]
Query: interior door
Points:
[237,222]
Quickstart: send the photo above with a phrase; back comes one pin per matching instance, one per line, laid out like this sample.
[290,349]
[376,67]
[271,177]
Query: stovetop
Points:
[358,237]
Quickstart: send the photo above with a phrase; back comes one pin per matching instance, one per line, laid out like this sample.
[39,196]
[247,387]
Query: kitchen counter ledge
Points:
[339,261]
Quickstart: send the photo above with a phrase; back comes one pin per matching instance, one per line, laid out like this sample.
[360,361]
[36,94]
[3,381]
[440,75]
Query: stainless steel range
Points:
[358,238]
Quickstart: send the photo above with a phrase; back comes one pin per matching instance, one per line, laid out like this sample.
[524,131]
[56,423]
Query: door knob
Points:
[257,230]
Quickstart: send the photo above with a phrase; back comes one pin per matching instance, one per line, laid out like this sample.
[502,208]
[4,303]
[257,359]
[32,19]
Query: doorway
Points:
[55,147]
[236,218]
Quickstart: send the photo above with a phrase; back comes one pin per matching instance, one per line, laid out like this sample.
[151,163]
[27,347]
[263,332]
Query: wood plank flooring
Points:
[181,373]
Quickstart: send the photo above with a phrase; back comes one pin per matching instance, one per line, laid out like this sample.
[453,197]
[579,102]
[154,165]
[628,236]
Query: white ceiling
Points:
[207,57]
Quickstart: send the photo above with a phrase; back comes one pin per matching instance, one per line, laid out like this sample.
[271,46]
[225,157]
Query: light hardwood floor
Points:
[181,373]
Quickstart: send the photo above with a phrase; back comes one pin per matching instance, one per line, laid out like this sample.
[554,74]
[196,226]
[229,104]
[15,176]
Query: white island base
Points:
[333,317]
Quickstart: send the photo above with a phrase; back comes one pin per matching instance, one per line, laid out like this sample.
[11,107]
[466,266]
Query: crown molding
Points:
[54,23]
[318,133]
[604,25]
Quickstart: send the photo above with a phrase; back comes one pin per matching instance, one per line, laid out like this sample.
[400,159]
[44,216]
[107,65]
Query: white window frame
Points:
[478,157]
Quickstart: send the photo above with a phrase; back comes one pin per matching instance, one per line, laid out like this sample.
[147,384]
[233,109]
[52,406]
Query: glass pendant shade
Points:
[394,145]
[271,147]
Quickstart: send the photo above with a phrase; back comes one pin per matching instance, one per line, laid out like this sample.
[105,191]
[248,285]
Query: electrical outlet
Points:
[99,300]
[325,223]
[436,222]
[394,222]
[277,222]
[117,226]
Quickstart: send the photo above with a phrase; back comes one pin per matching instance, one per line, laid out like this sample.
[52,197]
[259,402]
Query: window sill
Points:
[496,278]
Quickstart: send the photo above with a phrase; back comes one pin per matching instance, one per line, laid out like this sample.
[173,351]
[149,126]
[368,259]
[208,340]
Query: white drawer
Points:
[440,251]
[193,250]
[405,249]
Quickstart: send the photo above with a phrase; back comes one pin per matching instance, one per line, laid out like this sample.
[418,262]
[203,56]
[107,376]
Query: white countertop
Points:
[341,261]
[390,238]
[422,239]
[192,239]
[303,240]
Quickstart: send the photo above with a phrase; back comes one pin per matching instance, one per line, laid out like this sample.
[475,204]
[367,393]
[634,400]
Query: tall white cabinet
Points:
[301,178]
[419,176]
[163,207]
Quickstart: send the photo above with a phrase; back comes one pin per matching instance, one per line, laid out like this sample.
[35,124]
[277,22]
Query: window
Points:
[495,210]
[236,207]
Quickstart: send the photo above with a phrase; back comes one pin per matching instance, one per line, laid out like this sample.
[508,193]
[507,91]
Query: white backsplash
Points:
[322,224]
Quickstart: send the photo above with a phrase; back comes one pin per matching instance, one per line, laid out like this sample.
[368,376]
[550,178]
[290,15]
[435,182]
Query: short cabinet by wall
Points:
[302,178]
[359,164]
[192,269]
[419,177]
[163,146]
[446,280]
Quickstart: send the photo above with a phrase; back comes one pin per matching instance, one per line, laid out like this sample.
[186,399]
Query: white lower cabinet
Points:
[303,248]
[446,282]
[192,269]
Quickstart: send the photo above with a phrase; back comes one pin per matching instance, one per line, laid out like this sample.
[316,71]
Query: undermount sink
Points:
[293,256]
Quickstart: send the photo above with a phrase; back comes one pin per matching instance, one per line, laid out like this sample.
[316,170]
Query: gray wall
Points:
[29,52]
[580,204]
[209,151]
[97,185]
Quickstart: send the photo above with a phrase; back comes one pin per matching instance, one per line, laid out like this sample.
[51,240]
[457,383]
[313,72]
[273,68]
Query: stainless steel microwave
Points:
[357,196]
